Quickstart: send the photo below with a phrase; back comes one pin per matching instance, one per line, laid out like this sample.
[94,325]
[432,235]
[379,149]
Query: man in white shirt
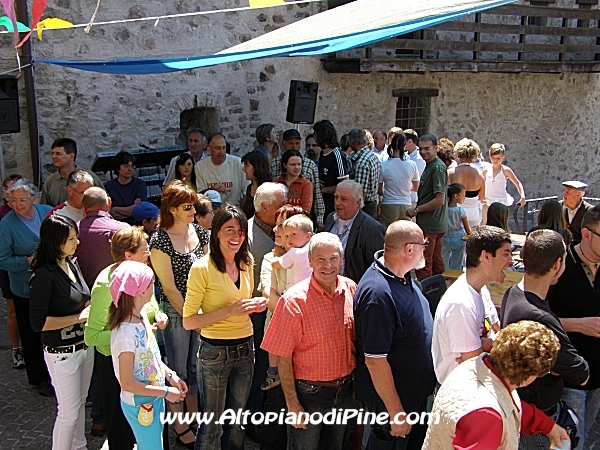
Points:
[380,148]
[78,182]
[221,172]
[412,150]
[465,317]
[196,147]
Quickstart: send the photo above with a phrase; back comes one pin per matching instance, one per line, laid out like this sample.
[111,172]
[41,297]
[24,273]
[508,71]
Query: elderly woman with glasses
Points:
[175,246]
[19,235]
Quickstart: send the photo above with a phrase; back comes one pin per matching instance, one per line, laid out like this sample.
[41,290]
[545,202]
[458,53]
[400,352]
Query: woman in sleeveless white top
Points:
[495,187]
[467,151]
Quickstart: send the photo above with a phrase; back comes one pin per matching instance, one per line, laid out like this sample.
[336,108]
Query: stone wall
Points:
[549,123]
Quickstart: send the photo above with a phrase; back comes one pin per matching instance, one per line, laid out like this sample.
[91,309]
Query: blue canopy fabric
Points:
[356,24]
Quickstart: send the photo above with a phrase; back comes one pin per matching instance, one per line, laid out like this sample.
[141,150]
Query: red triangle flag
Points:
[36,14]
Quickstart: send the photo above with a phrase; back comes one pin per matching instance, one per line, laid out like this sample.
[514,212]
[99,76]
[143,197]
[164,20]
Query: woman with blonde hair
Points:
[127,244]
[467,151]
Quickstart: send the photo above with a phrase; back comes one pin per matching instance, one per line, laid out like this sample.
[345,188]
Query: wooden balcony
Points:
[512,38]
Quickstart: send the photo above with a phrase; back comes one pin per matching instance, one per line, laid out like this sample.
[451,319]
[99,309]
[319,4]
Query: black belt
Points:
[225,342]
[333,383]
[552,410]
[66,348]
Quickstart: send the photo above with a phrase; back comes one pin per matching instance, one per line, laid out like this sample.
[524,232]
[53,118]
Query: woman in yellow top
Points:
[218,304]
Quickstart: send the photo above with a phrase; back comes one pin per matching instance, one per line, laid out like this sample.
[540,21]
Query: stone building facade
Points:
[548,122]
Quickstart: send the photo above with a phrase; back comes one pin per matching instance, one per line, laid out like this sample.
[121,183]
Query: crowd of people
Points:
[290,281]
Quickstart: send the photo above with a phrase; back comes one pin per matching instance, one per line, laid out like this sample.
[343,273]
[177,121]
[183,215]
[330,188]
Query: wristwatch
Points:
[416,210]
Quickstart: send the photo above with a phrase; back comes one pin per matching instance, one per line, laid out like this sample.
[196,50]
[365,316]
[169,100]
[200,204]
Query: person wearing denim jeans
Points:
[218,303]
[312,333]
[575,299]
[174,247]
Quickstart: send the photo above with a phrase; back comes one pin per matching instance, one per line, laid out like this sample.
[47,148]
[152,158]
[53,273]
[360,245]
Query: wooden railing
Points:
[512,38]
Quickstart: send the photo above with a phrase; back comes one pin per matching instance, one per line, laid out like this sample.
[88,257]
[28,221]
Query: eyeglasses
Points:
[20,201]
[593,232]
[425,242]
[186,207]
[128,166]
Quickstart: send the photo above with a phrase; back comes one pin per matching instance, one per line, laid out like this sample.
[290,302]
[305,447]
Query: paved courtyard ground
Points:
[27,418]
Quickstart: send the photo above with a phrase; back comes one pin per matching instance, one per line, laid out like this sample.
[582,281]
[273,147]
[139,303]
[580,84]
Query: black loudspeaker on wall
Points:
[9,105]
[302,101]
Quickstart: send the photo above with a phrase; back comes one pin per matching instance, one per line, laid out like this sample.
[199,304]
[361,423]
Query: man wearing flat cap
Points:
[574,207]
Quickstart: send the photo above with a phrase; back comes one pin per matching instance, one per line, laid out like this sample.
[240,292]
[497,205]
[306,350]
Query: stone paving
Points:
[27,418]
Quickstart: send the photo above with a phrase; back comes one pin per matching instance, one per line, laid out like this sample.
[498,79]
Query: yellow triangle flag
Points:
[263,3]
[51,22]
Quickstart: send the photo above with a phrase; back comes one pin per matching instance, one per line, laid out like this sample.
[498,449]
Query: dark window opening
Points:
[207,119]
[413,112]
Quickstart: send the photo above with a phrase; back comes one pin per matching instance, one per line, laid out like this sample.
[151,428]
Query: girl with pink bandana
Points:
[136,358]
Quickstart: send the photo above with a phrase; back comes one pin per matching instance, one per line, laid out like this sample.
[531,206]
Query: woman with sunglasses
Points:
[175,246]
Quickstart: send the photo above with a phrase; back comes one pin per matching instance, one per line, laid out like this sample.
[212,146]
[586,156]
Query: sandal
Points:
[189,445]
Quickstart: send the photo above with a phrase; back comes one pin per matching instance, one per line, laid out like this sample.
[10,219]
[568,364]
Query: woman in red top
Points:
[300,190]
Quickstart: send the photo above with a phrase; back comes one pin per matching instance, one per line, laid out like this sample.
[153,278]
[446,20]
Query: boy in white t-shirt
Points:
[465,319]
[297,231]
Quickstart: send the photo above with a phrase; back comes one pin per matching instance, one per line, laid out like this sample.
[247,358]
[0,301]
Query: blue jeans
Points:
[320,399]
[537,441]
[224,378]
[147,437]
[181,347]
[586,404]
[453,252]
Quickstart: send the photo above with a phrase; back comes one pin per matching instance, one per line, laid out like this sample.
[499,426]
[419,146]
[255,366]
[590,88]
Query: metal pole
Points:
[32,124]
[2,169]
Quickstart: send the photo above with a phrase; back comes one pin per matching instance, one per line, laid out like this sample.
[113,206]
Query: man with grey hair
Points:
[78,182]
[360,234]
[196,147]
[269,197]
[366,168]
[95,233]
[380,145]
[394,371]
[574,206]
[312,333]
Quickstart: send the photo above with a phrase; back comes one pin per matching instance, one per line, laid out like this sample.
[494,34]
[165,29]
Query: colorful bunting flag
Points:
[36,14]
[52,23]
[9,8]
[263,3]
[6,23]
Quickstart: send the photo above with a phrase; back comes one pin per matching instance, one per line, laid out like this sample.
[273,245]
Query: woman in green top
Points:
[128,244]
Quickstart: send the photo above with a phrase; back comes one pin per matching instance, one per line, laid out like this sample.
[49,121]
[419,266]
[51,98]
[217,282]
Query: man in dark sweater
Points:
[544,259]
[576,300]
